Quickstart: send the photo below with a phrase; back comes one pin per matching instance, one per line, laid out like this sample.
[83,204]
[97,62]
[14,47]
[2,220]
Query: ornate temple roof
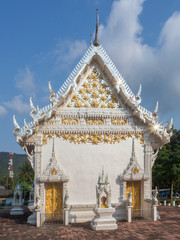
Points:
[97,54]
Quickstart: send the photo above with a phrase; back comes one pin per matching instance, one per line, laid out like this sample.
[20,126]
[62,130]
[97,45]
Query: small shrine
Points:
[103,219]
[17,202]
[93,120]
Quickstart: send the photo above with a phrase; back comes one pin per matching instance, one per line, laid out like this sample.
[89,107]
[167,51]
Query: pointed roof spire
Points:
[133,148]
[96,41]
[90,39]
[53,150]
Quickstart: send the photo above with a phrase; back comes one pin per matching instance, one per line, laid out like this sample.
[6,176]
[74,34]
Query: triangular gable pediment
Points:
[53,172]
[134,171]
[106,90]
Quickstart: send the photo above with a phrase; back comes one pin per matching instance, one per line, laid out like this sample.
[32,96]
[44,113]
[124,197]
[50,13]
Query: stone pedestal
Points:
[17,209]
[103,219]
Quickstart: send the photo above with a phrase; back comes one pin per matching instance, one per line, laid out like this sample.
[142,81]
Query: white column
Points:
[129,214]
[154,212]
[164,202]
[66,216]
[174,203]
[38,218]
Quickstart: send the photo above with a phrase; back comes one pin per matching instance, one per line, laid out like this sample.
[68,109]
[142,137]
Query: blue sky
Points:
[43,40]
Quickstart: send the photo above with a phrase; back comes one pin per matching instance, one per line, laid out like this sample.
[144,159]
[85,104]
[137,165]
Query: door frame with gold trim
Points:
[136,188]
[54,201]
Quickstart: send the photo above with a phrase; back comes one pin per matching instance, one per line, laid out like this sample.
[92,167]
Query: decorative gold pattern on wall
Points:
[136,170]
[73,121]
[94,93]
[53,171]
[53,200]
[94,138]
[119,121]
[135,187]
[140,136]
[51,122]
[94,121]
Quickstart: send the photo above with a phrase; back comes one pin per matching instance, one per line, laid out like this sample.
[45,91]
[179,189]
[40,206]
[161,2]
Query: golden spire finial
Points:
[96,41]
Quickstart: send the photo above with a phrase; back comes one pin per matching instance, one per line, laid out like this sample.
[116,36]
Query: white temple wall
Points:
[83,163]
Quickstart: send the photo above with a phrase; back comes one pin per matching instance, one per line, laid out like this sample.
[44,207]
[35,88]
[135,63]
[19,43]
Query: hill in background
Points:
[18,160]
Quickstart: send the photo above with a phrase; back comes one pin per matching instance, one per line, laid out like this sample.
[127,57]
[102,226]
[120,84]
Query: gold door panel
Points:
[135,187]
[53,200]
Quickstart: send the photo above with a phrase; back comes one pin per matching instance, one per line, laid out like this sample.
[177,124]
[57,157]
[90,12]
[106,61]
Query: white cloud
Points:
[66,52]
[25,81]
[17,105]
[157,68]
[3,111]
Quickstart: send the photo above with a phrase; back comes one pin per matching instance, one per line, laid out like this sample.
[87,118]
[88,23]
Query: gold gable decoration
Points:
[94,138]
[94,93]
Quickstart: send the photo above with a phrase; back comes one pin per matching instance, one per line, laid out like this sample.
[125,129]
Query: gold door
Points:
[135,187]
[53,200]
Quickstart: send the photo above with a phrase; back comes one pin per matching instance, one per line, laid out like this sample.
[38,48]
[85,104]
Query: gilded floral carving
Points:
[94,138]
[119,121]
[95,121]
[67,121]
[94,93]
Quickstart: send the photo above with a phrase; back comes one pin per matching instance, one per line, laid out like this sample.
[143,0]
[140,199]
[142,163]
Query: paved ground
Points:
[168,227]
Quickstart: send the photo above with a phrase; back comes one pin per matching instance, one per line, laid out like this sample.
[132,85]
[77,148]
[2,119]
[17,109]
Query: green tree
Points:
[166,170]
[26,173]
[25,177]
[6,181]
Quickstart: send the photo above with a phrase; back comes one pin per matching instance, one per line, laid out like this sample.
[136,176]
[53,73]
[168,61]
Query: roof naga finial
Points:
[138,95]
[156,110]
[96,41]
[90,39]
[16,125]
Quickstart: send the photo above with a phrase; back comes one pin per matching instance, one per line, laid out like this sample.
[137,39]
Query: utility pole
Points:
[11,173]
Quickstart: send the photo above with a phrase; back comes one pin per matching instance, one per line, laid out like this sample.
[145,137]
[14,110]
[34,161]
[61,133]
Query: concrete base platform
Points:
[104,219]
[17,209]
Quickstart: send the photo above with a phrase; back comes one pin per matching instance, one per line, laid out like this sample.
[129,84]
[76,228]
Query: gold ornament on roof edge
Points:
[94,93]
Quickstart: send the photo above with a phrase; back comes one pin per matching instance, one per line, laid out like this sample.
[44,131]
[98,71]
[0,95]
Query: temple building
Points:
[94,131]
